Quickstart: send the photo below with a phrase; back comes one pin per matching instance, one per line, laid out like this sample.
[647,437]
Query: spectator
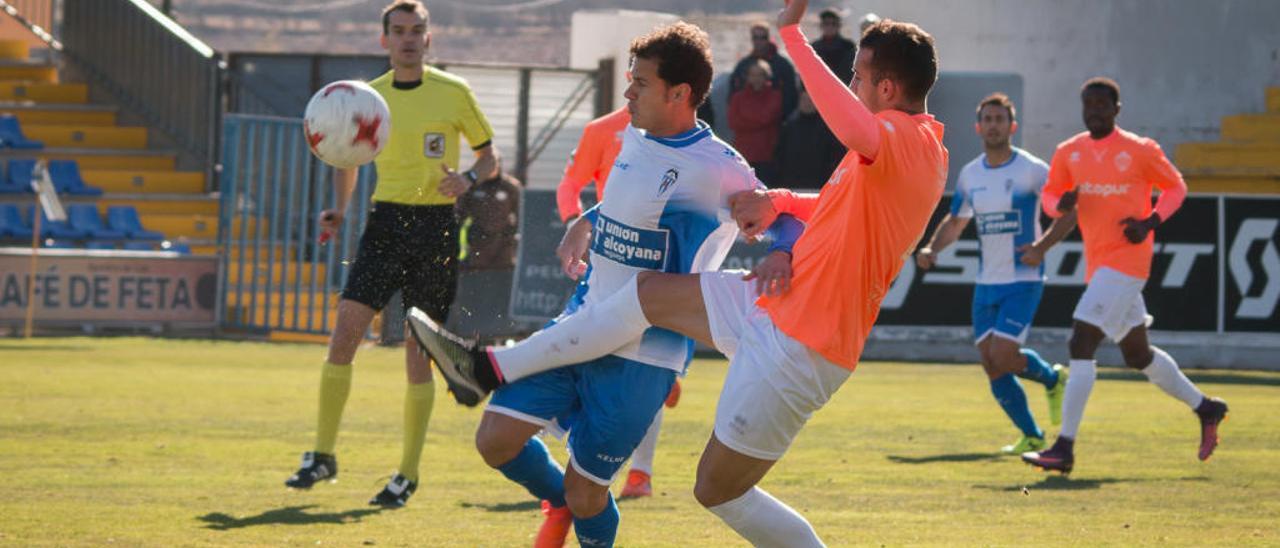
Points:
[807,151]
[755,115]
[784,75]
[490,217]
[836,51]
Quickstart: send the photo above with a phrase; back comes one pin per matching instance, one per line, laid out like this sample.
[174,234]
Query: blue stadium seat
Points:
[61,230]
[176,247]
[9,188]
[84,217]
[139,246]
[57,244]
[66,178]
[11,134]
[11,225]
[97,244]
[18,173]
[125,219]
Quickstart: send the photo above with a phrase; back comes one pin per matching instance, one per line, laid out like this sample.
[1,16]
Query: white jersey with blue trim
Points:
[1004,201]
[665,208]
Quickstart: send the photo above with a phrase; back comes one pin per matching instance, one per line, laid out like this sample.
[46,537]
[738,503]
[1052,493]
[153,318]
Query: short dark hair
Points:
[760,25]
[407,6]
[1001,100]
[829,13]
[905,53]
[683,53]
[1102,82]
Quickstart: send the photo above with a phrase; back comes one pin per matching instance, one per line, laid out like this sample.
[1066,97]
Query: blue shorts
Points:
[609,403]
[1005,310]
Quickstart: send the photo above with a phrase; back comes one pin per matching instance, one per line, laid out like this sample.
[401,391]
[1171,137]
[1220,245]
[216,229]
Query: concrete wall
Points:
[597,35]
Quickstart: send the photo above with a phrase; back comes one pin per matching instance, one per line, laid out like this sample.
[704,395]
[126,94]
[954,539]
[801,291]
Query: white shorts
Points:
[774,383]
[1113,303]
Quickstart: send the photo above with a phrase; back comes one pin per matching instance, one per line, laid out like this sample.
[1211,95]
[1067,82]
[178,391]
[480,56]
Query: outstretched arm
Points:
[850,120]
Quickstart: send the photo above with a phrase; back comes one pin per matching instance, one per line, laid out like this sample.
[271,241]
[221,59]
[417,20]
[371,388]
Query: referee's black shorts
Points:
[411,248]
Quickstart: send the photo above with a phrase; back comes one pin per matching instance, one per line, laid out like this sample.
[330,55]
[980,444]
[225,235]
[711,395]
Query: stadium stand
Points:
[1245,160]
[11,134]
[11,224]
[125,219]
[66,178]
[95,162]
[59,230]
[85,217]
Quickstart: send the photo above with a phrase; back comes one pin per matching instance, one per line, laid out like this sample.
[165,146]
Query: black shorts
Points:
[409,248]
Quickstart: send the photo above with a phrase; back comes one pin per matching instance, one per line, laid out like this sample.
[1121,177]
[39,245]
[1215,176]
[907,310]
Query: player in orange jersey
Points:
[1106,174]
[591,161]
[791,349]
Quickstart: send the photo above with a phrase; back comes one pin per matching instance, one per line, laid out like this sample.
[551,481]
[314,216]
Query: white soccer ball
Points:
[346,123]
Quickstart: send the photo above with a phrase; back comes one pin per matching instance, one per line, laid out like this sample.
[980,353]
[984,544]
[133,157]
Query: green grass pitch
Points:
[142,442]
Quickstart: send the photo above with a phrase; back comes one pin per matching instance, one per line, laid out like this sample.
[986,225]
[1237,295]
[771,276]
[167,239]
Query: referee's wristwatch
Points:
[472,176]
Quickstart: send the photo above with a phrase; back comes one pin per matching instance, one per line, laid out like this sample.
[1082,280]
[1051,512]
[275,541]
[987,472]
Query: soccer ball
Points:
[346,124]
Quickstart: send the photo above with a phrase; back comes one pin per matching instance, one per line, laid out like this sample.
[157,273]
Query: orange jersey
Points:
[1114,176]
[591,161]
[869,217]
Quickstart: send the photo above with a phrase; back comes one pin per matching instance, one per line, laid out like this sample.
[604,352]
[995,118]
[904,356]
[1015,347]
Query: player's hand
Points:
[572,250]
[1068,201]
[1136,230]
[792,13]
[453,184]
[772,274]
[1031,255]
[926,258]
[753,211]
[330,221]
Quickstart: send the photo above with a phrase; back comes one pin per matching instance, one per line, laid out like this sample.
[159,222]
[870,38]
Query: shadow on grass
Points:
[952,457]
[524,506]
[1065,483]
[290,515]
[1198,378]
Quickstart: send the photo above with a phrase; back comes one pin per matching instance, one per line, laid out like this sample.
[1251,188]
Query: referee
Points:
[410,242]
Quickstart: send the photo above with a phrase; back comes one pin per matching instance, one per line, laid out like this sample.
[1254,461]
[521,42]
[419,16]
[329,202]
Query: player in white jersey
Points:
[666,210]
[1001,190]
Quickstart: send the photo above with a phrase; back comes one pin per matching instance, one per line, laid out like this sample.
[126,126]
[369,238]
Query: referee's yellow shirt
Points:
[426,122]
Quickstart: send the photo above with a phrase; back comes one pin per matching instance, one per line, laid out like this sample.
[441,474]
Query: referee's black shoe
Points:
[315,467]
[465,366]
[396,493]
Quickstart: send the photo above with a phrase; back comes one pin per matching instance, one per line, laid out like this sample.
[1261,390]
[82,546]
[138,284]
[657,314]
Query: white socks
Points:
[1164,372]
[642,457]
[591,332]
[765,521]
[1079,385]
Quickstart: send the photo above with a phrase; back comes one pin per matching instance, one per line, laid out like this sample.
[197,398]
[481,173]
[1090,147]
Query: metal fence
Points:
[152,66]
[275,273]
[537,113]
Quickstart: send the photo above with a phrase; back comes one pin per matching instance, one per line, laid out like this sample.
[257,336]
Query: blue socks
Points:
[1013,400]
[600,529]
[539,473]
[1038,370]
